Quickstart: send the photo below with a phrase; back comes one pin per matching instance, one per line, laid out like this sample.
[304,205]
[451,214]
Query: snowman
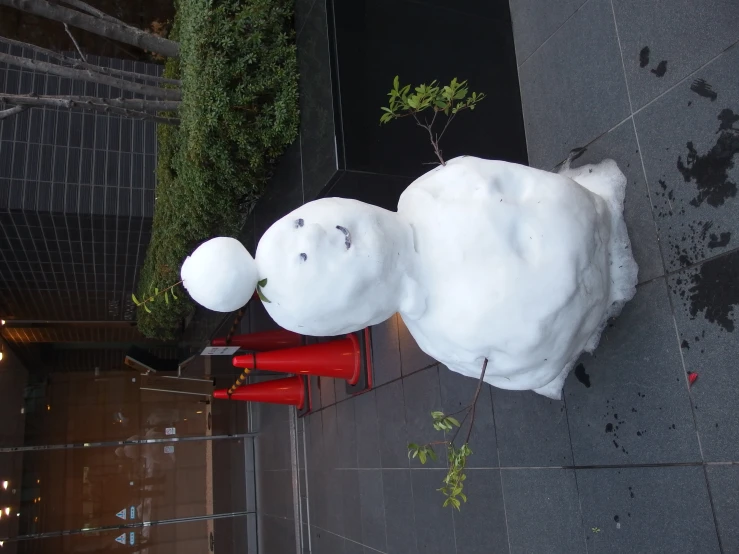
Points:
[483,260]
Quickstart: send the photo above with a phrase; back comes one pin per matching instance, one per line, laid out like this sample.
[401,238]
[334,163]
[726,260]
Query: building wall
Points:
[76,201]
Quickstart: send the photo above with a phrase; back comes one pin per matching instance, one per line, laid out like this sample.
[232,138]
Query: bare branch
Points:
[474,400]
[471,408]
[434,143]
[77,46]
[45,67]
[91,67]
[72,101]
[12,111]
[98,26]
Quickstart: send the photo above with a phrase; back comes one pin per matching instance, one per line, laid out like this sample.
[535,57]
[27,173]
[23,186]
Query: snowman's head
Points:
[220,275]
[334,266]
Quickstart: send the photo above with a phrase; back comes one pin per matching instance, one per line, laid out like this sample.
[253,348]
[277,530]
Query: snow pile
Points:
[484,259]
[220,275]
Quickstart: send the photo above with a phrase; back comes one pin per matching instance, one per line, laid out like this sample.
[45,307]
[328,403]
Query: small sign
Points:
[121,539]
[133,512]
[219,351]
[169,449]
[170,431]
[131,538]
[122,514]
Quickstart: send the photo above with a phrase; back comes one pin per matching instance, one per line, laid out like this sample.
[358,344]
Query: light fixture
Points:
[7,511]
[5,485]
[38,481]
[2,322]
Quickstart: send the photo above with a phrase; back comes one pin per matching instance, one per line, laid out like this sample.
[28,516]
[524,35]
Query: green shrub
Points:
[239,112]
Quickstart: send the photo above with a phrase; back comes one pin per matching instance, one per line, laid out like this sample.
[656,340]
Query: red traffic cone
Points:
[292,391]
[340,359]
[262,342]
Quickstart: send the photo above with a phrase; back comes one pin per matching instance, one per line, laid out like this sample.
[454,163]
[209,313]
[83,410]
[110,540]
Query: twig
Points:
[471,408]
[474,400]
[77,46]
[152,297]
[431,137]
[448,121]
[12,111]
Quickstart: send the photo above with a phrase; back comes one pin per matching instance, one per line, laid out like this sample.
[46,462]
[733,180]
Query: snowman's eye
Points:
[299,223]
[303,256]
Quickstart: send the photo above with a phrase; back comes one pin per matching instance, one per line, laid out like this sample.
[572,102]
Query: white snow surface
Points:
[484,259]
[220,275]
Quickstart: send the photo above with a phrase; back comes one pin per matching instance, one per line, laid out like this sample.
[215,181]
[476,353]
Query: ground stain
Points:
[715,290]
[718,242]
[702,88]
[644,57]
[582,376]
[710,171]
[661,69]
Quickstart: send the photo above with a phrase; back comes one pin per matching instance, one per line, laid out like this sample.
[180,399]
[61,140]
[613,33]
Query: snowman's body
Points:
[521,266]
[484,259]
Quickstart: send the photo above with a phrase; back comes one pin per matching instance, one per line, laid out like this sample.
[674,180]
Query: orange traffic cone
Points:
[293,391]
[348,358]
[262,342]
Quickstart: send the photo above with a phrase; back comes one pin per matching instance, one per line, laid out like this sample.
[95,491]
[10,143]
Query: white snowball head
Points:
[220,275]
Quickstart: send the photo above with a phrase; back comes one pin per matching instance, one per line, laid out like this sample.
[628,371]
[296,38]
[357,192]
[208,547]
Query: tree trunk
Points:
[98,26]
[72,101]
[79,64]
[122,106]
[85,7]
[54,69]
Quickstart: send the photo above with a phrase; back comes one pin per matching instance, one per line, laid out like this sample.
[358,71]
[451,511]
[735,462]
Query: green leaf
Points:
[453,421]
[173,294]
[422,456]
[463,496]
[261,295]
[148,311]
[396,82]
[156,290]
[166,298]
[262,283]
[135,300]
